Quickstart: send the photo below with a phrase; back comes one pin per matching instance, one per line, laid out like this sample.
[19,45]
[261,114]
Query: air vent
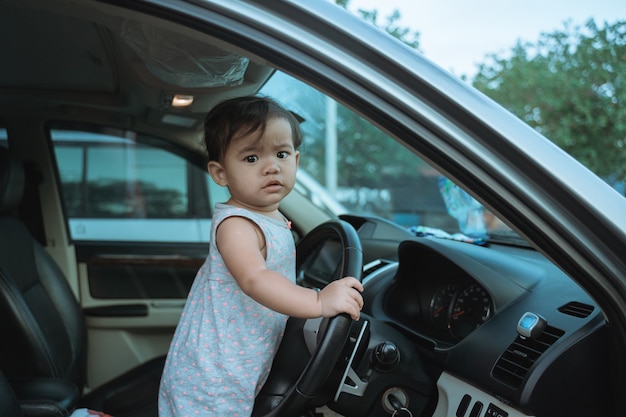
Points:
[576,309]
[521,355]
[374,266]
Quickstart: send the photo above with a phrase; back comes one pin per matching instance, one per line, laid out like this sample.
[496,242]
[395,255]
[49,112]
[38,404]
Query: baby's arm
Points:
[240,243]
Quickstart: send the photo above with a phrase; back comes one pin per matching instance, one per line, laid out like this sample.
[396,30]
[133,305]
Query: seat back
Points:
[42,326]
[9,405]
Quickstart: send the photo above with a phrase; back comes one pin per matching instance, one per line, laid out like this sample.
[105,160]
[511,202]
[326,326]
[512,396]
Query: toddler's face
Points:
[260,172]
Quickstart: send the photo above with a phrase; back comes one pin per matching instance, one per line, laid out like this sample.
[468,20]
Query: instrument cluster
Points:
[458,309]
[437,298]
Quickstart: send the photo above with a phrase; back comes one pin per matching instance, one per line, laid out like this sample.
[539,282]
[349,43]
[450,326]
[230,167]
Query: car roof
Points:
[87,60]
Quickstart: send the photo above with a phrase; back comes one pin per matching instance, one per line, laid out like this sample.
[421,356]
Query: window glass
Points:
[118,188]
[360,169]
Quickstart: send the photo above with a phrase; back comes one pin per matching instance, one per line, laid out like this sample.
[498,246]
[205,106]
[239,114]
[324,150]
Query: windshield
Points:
[371,174]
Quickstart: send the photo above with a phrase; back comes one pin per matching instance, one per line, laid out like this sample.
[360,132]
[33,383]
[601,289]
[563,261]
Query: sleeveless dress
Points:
[224,344]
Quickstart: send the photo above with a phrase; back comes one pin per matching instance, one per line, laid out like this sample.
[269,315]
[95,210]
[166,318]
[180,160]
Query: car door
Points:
[139,217]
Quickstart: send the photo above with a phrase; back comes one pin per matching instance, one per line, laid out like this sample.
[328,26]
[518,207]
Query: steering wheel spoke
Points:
[351,382]
[311,331]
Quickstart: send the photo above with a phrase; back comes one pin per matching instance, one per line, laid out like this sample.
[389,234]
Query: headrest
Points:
[11,182]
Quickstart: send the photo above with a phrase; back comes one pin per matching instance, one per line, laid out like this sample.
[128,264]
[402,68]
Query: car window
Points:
[373,175]
[117,188]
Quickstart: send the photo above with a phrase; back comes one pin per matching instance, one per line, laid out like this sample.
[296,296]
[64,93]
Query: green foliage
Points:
[390,25]
[371,167]
[570,86]
[406,35]
[358,137]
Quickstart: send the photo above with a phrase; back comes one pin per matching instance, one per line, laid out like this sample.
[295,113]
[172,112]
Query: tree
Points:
[570,87]
[371,167]
[391,26]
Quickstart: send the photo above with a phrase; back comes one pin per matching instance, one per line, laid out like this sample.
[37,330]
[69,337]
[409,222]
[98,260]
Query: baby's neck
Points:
[269,211]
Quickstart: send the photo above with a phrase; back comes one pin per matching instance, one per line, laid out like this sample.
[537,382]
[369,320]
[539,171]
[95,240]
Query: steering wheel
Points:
[296,379]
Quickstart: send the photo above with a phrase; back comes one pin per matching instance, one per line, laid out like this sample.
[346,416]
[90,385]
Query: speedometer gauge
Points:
[471,308]
[440,306]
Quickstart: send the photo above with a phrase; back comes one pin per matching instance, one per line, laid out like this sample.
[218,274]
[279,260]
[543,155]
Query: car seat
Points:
[43,328]
[9,405]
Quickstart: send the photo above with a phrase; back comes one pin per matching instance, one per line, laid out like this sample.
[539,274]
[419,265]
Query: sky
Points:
[458,34]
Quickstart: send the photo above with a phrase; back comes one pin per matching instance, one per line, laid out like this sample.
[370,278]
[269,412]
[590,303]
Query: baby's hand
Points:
[342,296]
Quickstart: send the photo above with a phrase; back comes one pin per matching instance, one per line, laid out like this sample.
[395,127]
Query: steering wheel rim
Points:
[293,398]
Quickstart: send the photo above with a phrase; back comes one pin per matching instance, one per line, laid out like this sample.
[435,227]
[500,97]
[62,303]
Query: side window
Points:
[117,188]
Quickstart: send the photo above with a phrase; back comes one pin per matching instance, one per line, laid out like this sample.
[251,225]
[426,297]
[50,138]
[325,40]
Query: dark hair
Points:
[241,116]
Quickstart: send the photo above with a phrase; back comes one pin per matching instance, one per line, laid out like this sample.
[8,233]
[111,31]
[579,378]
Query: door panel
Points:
[139,217]
[132,296]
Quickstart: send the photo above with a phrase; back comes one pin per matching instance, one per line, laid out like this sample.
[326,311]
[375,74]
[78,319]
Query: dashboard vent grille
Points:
[521,355]
[373,267]
[576,309]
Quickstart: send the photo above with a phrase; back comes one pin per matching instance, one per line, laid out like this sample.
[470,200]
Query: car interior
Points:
[89,301]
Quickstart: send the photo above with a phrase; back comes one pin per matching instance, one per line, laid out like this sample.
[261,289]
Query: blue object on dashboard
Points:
[531,325]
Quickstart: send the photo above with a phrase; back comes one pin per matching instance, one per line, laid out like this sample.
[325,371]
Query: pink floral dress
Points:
[223,347]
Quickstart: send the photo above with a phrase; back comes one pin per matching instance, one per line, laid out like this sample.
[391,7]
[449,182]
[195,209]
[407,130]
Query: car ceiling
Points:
[93,68]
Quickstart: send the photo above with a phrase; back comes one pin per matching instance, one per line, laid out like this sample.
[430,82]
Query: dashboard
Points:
[458,305]
[435,297]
